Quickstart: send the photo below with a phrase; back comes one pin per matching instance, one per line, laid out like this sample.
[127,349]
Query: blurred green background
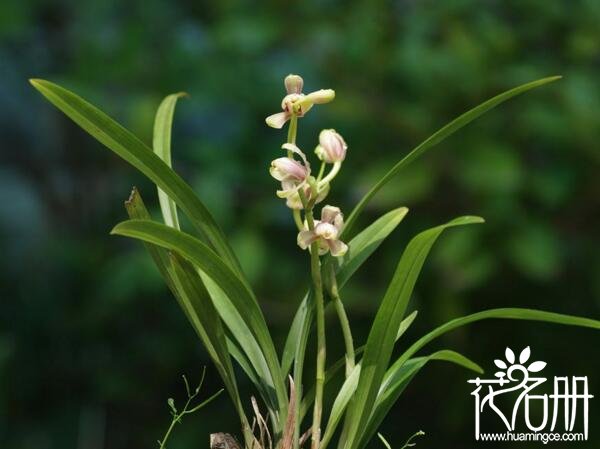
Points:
[92,344]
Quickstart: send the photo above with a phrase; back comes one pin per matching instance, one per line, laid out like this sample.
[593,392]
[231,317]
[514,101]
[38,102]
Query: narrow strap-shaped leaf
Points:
[436,138]
[359,249]
[393,384]
[504,313]
[298,330]
[133,150]
[303,319]
[397,379]
[238,307]
[367,241]
[238,354]
[404,368]
[380,342]
[162,148]
[339,405]
[204,317]
[243,335]
[161,143]
[194,301]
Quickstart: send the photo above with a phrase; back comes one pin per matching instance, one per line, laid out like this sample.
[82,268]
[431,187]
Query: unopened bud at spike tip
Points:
[293,84]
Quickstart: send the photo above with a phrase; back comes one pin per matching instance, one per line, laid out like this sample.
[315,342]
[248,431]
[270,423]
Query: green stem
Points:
[321,172]
[176,419]
[291,138]
[344,323]
[315,265]
[166,437]
[292,131]
[315,268]
[298,220]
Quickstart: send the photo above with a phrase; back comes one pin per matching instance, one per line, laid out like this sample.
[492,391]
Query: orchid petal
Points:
[337,248]
[277,120]
[330,213]
[326,231]
[306,238]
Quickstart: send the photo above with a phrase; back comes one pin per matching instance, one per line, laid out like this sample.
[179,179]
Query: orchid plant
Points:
[205,277]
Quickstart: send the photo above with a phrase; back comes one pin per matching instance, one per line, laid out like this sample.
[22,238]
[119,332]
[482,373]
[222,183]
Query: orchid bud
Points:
[332,146]
[287,169]
[292,173]
[293,84]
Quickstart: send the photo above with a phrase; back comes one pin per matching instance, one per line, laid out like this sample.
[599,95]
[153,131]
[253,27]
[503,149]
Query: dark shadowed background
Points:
[92,344]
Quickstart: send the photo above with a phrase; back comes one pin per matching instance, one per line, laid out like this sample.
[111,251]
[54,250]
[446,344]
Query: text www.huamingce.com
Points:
[531,436]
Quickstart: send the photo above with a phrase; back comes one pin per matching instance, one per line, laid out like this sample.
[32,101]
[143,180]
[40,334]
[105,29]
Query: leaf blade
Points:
[502,313]
[161,144]
[130,148]
[398,378]
[381,338]
[437,137]
[197,306]
[239,308]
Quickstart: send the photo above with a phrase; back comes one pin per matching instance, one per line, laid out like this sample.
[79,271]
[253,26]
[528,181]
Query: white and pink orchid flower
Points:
[292,174]
[294,202]
[296,103]
[326,233]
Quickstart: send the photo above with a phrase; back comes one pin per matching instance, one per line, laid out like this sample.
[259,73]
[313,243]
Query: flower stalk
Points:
[302,191]
[315,268]
[344,322]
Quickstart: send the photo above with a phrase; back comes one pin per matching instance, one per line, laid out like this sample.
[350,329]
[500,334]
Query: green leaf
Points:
[162,147]
[235,301]
[367,241]
[388,394]
[402,371]
[133,150]
[339,404]
[504,313]
[380,342]
[438,137]
[183,281]
[396,380]
[161,144]
[205,319]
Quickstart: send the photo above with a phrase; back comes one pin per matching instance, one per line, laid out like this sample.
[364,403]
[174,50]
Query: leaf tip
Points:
[132,196]
[116,230]
[36,82]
